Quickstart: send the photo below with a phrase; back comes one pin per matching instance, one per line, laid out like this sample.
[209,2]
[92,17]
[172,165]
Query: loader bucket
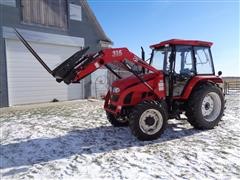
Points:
[66,70]
[61,71]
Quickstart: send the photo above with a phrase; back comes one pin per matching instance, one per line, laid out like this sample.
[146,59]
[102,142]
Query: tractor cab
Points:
[181,60]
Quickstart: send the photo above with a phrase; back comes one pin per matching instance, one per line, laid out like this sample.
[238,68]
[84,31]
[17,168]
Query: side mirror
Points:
[219,73]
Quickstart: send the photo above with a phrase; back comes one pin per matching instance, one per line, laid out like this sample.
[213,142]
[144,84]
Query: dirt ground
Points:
[73,140]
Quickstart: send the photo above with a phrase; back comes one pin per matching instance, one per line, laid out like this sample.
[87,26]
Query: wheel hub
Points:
[207,106]
[211,106]
[151,121]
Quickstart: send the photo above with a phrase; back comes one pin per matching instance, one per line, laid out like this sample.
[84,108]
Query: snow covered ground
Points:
[73,140]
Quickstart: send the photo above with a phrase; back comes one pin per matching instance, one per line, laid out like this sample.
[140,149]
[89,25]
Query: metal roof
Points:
[182,42]
[92,16]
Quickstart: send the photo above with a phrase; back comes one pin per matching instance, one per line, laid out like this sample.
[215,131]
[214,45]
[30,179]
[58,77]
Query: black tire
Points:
[197,106]
[116,122]
[136,119]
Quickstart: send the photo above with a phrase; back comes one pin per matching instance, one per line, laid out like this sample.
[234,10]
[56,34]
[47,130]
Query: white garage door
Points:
[29,82]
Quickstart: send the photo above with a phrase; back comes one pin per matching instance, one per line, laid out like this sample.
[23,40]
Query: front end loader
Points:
[172,82]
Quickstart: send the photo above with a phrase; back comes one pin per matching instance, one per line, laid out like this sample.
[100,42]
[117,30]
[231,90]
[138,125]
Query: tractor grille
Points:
[114,97]
[112,107]
[144,95]
[128,98]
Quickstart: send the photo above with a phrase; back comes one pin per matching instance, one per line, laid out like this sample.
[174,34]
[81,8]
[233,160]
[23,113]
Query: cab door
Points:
[183,68]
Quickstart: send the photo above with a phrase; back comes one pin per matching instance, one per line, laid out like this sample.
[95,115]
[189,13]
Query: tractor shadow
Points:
[81,142]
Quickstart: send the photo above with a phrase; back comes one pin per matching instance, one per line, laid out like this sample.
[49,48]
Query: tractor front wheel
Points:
[116,122]
[148,120]
[205,107]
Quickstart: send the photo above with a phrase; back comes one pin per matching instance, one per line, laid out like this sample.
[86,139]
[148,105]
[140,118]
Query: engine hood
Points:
[132,80]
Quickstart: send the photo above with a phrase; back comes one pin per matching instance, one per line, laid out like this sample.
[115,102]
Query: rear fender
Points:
[196,81]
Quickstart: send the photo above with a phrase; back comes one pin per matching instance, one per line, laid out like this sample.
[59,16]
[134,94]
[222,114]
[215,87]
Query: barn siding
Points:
[11,17]
[3,74]
[45,12]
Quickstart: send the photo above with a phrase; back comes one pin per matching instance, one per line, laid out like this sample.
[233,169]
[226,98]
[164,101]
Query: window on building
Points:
[49,13]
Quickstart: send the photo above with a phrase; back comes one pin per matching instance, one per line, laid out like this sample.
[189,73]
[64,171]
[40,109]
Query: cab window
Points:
[184,60]
[161,58]
[203,60]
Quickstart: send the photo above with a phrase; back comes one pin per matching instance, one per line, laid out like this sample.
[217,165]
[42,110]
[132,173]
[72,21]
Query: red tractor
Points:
[179,77]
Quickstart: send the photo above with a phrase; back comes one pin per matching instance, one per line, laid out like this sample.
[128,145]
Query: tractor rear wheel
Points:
[205,107]
[116,122]
[148,119]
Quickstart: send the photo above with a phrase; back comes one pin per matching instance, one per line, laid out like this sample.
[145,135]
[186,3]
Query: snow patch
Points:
[73,140]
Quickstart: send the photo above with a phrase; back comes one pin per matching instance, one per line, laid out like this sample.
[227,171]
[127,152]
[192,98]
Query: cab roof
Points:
[181,42]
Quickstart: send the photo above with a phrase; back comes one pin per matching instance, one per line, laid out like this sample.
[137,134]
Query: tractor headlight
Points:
[115,90]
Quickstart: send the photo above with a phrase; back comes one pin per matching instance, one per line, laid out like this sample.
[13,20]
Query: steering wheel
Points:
[180,77]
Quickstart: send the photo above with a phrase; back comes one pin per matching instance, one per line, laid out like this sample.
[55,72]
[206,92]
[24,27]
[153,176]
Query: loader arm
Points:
[79,65]
[121,56]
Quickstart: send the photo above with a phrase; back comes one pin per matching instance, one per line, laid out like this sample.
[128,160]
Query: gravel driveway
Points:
[74,140]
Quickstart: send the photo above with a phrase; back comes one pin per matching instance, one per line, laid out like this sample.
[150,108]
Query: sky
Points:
[133,24]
